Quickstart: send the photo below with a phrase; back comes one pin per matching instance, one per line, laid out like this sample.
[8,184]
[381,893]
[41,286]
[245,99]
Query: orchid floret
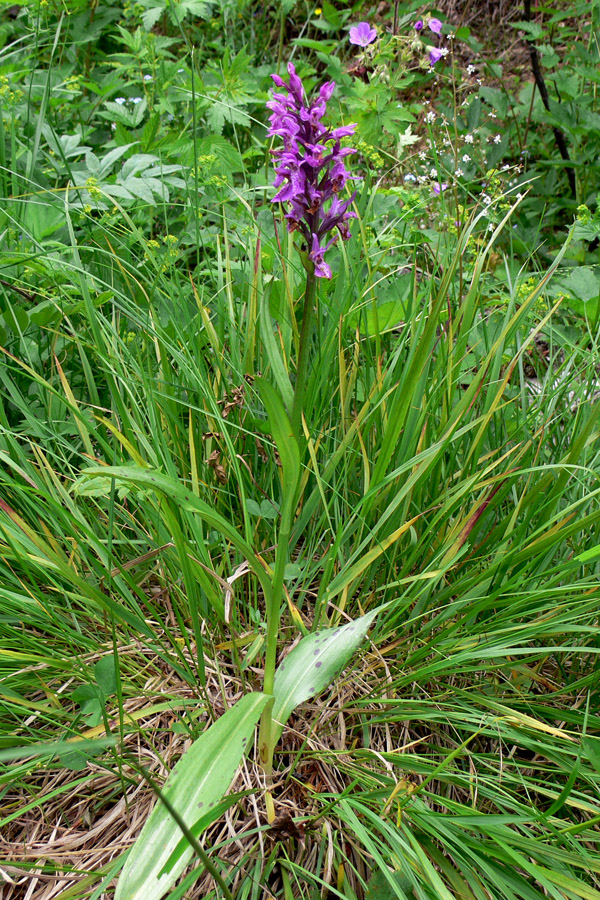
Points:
[309,173]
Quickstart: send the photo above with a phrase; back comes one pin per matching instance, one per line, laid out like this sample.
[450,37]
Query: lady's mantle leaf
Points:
[313,664]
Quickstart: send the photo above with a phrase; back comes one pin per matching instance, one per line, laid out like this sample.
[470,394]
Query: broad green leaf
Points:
[197,784]
[211,815]
[313,664]
[582,290]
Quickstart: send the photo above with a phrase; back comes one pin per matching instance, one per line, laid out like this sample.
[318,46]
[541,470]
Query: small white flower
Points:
[519,196]
[136,99]
[497,138]
[430,117]
[410,177]
[466,158]
[469,139]
[459,173]
[433,173]
[148,78]
[506,167]
[486,199]
[422,154]
[492,115]
[479,81]
[422,179]
[113,126]
[179,71]
[491,227]
[444,51]
[471,70]
[120,100]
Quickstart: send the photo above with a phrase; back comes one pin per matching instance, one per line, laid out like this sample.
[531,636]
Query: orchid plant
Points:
[310,175]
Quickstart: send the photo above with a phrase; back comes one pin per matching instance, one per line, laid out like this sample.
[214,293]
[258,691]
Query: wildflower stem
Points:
[303,350]
[266,743]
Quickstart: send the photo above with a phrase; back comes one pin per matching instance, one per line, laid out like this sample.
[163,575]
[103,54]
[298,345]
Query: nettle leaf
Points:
[531,29]
[151,16]
[313,664]
[195,789]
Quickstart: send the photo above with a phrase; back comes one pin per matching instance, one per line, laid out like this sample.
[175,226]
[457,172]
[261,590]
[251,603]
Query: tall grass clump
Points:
[298,553]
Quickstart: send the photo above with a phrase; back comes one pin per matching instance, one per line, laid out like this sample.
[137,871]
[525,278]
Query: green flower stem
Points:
[266,744]
[288,509]
[303,352]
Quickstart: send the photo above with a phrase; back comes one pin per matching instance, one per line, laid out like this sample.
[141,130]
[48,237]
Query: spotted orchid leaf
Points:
[195,789]
[313,664]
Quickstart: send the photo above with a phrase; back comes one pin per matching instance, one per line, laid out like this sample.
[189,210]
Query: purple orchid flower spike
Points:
[362,34]
[308,173]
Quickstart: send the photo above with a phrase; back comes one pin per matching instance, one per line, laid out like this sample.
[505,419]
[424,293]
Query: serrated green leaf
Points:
[197,783]
[591,751]
[151,16]
[313,664]
[531,29]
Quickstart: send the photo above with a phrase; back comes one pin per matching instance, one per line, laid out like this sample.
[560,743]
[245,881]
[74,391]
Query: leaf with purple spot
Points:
[309,668]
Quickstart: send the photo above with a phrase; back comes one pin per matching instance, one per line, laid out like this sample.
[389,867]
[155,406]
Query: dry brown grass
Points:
[81,822]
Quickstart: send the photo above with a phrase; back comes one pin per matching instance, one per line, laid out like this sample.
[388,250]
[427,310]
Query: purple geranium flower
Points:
[435,25]
[309,173]
[439,187]
[434,55]
[362,34]
[419,25]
